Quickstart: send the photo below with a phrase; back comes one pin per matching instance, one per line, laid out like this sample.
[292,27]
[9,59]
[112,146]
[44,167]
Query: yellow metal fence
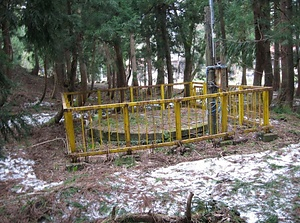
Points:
[150,118]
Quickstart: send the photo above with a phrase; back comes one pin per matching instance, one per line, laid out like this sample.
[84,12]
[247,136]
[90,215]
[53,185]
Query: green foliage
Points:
[239,32]
[270,219]
[126,161]
[282,110]
[12,124]
[44,21]
[69,192]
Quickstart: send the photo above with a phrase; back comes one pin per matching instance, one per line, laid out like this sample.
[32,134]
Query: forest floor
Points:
[38,183]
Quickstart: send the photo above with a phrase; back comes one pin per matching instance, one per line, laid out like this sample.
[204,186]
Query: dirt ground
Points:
[46,146]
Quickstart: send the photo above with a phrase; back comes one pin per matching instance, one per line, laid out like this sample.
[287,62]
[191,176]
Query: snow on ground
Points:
[258,185]
[39,118]
[22,170]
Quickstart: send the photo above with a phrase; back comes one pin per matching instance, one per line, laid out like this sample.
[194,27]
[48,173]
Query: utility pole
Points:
[210,68]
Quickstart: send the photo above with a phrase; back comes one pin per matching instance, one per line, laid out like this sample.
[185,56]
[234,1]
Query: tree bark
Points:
[268,60]
[121,76]
[223,48]
[68,66]
[298,54]
[188,68]
[7,47]
[244,75]
[187,40]
[165,39]
[83,87]
[35,70]
[45,79]
[298,67]
[286,95]
[259,38]
[276,69]
[73,74]
[160,49]
[59,83]
[149,63]
[133,61]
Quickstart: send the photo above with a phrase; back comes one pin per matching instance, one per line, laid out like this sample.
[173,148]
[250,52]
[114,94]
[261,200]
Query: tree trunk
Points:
[276,80]
[108,61]
[59,115]
[83,87]
[83,72]
[73,74]
[145,73]
[68,66]
[149,63]
[223,49]
[160,49]
[133,61]
[244,75]
[45,79]
[5,26]
[93,69]
[259,38]
[298,54]
[35,70]
[187,39]
[165,39]
[160,66]
[287,87]
[121,76]
[268,66]
[59,83]
[268,60]
[298,67]
[187,69]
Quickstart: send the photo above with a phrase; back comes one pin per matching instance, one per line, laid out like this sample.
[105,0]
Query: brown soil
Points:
[46,145]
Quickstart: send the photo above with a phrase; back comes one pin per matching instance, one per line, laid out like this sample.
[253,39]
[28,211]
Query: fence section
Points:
[99,128]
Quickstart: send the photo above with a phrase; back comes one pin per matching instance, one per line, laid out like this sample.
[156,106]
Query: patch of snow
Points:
[257,185]
[22,170]
[42,104]
[40,118]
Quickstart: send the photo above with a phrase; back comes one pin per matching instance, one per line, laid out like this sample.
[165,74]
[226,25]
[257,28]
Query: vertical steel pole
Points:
[212,22]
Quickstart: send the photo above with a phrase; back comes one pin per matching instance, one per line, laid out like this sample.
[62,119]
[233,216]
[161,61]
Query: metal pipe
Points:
[212,27]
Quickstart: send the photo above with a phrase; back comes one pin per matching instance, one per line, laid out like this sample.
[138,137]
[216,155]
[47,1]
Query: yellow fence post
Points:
[70,130]
[204,91]
[99,97]
[177,120]
[204,88]
[266,111]
[241,107]
[131,97]
[192,92]
[224,106]
[126,125]
[162,95]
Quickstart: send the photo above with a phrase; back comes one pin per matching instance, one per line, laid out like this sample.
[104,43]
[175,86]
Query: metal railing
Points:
[149,120]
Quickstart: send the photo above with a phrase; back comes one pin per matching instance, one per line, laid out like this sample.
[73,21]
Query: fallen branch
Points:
[52,140]
[188,212]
